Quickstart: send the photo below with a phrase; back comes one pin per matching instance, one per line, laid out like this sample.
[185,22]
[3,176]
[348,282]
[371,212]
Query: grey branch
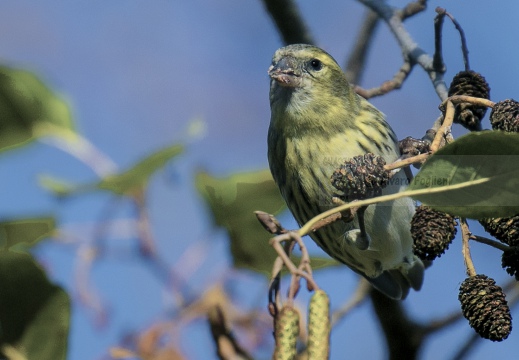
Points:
[410,49]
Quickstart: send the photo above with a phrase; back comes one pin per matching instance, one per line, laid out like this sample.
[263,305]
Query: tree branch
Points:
[465,236]
[387,86]
[410,50]
[357,59]
[413,8]
[289,22]
[227,346]
[404,337]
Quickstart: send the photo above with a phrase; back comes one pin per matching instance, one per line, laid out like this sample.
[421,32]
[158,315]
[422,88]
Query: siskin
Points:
[318,122]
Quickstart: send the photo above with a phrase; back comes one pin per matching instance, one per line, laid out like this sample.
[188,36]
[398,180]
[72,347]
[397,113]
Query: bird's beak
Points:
[285,72]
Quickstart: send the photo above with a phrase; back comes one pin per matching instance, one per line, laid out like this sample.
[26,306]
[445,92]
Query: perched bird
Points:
[318,122]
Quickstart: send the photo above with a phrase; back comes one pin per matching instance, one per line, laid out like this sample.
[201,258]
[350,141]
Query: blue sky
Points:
[137,72]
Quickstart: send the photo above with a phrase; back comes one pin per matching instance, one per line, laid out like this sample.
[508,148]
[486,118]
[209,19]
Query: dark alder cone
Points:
[505,230]
[412,147]
[484,305]
[469,83]
[505,116]
[432,232]
[361,177]
[510,261]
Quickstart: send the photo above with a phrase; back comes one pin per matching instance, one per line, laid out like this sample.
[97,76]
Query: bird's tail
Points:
[396,283]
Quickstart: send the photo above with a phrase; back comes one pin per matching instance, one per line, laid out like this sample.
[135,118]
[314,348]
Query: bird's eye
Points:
[316,64]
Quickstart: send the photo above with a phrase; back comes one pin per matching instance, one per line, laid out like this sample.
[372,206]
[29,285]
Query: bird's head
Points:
[307,82]
[301,65]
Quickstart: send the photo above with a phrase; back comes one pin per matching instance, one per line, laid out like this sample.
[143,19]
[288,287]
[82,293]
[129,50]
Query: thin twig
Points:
[440,324]
[147,250]
[275,281]
[413,8]
[407,161]
[87,294]
[357,58]
[147,245]
[444,128]
[464,47]
[87,255]
[438,63]
[227,347]
[390,85]
[306,228]
[431,133]
[410,50]
[358,297]
[326,221]
[467,347]
[465,236]
[295,271]
[494,243]
[457,99]
[273,293]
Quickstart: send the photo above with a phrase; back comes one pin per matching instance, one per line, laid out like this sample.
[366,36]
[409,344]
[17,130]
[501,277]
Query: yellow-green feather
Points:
[316,125]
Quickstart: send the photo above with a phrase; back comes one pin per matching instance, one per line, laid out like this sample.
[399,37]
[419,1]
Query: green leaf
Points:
[123,183]
[34,314]
[59,187]
[232,201]
[51,323]
[28,231]
[137,176]
[27,103]
[489,160]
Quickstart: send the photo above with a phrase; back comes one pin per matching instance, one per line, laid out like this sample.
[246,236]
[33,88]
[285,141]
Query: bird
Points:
[317,123]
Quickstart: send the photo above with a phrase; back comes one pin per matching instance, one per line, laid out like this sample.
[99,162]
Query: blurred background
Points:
[140,76]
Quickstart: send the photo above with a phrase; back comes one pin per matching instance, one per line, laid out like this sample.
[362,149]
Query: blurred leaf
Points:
[124,183]
[320,263]
[11,352]
[232,202]
[137,176]
[46,337]
[196,128]
[57,186]
[25,102]
[28,231]
[34,314]
[489,157]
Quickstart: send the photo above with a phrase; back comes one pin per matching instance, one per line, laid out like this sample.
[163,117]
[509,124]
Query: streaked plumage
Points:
[317,123]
